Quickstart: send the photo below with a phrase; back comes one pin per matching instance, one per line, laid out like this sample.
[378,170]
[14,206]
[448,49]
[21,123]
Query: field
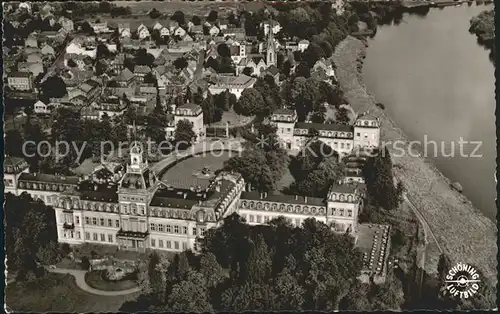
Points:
[200,8]
[59,293]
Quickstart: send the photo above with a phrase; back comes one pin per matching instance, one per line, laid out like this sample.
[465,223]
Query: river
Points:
[437,83]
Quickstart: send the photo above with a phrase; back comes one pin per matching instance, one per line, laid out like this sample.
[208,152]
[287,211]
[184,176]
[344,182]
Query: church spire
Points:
[271,45]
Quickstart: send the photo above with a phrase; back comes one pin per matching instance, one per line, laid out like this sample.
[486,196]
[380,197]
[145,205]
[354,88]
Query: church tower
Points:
[271,47]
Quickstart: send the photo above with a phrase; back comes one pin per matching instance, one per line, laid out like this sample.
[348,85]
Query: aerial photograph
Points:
[230,156]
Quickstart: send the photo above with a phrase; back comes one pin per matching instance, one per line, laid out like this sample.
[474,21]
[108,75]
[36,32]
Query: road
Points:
[423,252]
[58,62]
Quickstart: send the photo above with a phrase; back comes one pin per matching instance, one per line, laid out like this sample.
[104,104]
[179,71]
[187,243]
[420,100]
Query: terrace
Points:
[374,242]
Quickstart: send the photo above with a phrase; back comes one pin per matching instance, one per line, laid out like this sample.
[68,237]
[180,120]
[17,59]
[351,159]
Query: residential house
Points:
[303,44]
[274,72]
[270,24]
[236,32]
[194,114]
[214,31]
[25,6]
[131,44]
[47,50]
[34,67]
[148,90]
[125,78]
[187,73]
[199,85]
[111,106]
[75,76]
[31,41]
[179,31]
[143,32]
[79,101]
[164,32]
[339,6]
[196,30]
[66,24]
[41,108]
[157,26]
[140,72]
[89,113]
[100,28]
[88,89]
[324,65]
[187,38]
[189,26]
[155,52]
[22,81]
[172,26]
[292,46]
[235,84]
[124,30]
[238,50]
[117,63]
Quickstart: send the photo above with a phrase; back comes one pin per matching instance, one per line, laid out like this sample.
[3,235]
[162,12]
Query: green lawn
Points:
[59,293]
[233,118]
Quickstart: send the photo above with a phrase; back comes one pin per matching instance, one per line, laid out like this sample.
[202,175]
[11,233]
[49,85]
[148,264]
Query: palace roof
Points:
[289,199]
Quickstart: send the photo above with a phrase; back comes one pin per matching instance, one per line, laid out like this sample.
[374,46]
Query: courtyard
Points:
[196,170]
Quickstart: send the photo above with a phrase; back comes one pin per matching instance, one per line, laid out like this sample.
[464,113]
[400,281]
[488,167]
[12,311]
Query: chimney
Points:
[305,199]
[261,195]
[185,195]
[296,197]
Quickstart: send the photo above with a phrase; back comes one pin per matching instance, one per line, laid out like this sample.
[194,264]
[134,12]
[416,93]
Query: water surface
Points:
[438,83]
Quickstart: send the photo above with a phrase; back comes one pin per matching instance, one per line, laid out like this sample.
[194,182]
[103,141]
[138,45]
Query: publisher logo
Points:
[462,281]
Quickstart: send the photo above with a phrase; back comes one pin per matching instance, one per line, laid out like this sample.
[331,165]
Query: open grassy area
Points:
[200,8]
[233,118]
[96,279]
[59,293]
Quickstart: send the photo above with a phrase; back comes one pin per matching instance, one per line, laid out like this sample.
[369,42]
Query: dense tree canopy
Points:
[184,134]
[380,182]
[24,249]
[53,87]
[179,17]
[250,103]
[267,267]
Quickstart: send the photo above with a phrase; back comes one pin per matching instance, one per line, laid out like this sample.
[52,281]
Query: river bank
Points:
[463,232]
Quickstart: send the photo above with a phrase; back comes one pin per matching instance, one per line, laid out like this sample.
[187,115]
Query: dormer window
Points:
[366,123]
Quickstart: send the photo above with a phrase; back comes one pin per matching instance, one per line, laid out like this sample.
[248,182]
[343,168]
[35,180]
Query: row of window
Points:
[168,244]
[365,135]
[265,219]
[97,237]
[101,222]
[341,212]
[174,229]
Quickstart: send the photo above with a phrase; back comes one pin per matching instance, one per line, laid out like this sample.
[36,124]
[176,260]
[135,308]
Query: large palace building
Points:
[128,206]
[365,133]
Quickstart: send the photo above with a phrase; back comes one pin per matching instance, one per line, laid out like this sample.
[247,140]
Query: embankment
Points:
[462,232]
